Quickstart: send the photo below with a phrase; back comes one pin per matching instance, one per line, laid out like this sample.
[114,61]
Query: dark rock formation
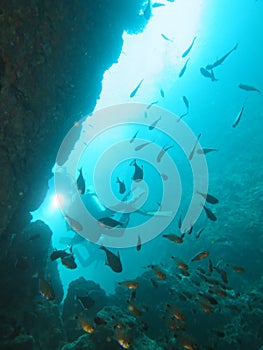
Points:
[52,60]
[24,313]
[72,306]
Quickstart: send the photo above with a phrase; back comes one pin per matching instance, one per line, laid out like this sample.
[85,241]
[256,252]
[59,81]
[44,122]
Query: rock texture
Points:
[52,60]
[27,320]
[72,307]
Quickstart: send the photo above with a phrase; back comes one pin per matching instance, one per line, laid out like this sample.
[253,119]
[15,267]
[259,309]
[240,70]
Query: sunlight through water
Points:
[155,55]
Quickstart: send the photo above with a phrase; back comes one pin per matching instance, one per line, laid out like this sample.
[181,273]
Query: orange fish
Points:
[85,325]
[46,290]
[182,265]
[123,339]
[236,268]
[201,256]
[129,284]
[174,238]
[134,310]
[185,273]
[188,344]
[175,312]
[159,273]
[206,308]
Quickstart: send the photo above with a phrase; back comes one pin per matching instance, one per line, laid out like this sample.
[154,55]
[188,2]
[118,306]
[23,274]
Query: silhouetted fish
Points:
[221,60]
[58,254]
[208,197]
[122,187]
[193,150]
[210,214]
[189,48]
[206,150]
[151,104]
[134,137]
[181,116]
[153,125]
[139,147]
[112,260]
[109,222]
[248,87]
[139,244]
[69,261]
[157,4]
[183,69]
[166,38]
[199,232]
[180,221]
[208,74]
[81,182]
[133,93]
[162,93]
[162,152]
[138,171]
[238,117]
[186,102]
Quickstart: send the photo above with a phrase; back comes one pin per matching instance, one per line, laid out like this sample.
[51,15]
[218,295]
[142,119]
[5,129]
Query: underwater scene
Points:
[150,234]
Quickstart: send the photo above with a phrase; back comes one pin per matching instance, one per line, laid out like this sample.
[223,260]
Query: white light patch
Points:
[148,55]
[56,201]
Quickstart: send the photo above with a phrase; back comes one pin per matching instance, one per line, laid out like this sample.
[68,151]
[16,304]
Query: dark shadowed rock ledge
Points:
[53,55]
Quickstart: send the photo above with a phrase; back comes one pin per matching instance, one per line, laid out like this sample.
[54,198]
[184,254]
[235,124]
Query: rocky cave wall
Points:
[53,55]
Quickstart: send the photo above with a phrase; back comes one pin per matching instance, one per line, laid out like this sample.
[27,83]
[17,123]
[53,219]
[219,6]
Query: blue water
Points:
[235,170]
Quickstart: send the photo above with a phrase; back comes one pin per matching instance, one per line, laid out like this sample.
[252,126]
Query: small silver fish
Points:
[153,125]
[189,48]
[183,69]
[238,117]
[133,93]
